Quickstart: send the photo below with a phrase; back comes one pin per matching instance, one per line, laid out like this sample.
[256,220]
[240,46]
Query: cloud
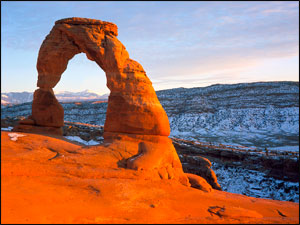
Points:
[267,11]
[222,39]
[203,60]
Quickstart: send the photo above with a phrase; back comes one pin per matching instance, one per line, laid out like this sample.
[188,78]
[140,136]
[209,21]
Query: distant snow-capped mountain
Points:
[13,98]
[86,95]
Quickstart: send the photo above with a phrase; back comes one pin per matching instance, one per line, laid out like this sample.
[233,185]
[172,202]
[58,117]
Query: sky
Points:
[179,44]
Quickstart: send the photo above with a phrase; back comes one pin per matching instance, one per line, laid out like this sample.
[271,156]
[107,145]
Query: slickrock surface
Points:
[51,180]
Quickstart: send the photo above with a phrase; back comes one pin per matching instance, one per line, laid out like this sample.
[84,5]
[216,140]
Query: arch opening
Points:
[82,75]
[87,102]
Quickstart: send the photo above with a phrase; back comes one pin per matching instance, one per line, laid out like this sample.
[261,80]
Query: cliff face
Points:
[251,114]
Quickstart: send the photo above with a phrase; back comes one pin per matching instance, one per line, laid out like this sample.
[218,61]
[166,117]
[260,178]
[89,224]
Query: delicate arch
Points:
[133,106]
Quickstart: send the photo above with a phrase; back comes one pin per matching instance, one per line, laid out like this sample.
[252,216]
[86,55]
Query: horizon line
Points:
[95,92]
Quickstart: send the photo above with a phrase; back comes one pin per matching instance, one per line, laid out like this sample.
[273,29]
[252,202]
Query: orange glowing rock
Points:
[152,154]
[47,180]
[134,112]
[199,182]
[133,106]
[46,110]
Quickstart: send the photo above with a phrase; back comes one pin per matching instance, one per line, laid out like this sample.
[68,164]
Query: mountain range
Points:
[12,98]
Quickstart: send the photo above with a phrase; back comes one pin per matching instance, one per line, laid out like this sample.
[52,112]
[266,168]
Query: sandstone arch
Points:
[133,106]
[136,125]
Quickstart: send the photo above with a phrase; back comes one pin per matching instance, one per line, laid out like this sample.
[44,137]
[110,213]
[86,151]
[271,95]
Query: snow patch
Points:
[78,139]
[7,128]
[14,136]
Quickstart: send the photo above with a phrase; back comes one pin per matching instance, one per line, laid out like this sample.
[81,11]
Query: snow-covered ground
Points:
[15,136]
[255,184]
[276,127]
[286,148]
[263,114]
[256,139]
[7,128]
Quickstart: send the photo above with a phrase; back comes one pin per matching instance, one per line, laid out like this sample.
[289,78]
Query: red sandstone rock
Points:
[46,110]
[204,170]
[106,26]
[151,154]
[38,129]
[199,182]
[133,106]
[234,212]
[27,121]
[46,180]
[134,113]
